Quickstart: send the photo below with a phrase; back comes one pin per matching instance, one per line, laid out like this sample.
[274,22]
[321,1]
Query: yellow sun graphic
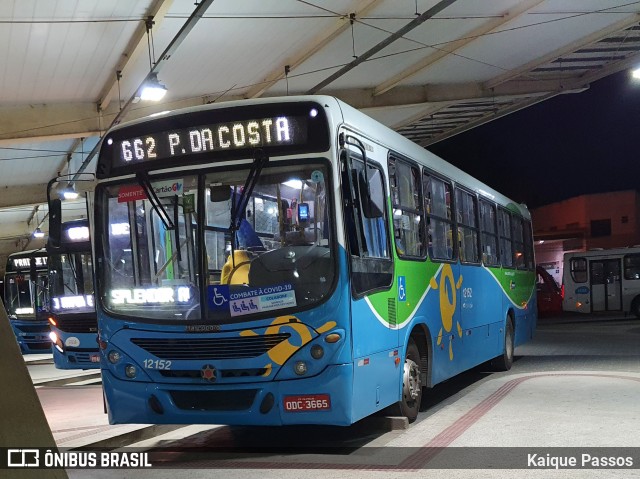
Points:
[447,302]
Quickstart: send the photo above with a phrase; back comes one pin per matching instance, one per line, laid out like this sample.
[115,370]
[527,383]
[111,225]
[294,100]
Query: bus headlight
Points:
[57,342]
[130,370]
[300,368]
[113,356]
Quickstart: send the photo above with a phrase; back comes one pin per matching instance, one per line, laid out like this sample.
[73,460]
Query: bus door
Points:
[606,285]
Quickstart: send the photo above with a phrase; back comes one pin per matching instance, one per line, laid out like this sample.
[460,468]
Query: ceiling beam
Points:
[137,46]
[362,98]
[364,7]
[456,45]
[12,196]
[416,22]
[570,48]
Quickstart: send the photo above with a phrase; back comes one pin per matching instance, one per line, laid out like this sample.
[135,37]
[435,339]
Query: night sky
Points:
[570,145]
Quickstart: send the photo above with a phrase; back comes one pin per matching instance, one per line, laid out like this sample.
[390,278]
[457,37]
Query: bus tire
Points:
[409,405]
[505,360]
[635,307]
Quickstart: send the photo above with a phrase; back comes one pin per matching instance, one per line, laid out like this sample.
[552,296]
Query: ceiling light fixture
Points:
[70,193]
[153,89]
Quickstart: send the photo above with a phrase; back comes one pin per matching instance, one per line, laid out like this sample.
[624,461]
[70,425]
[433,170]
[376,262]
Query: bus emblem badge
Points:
[208,372]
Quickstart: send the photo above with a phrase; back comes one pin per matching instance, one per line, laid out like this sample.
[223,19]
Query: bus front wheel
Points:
[505,360]
[409,405]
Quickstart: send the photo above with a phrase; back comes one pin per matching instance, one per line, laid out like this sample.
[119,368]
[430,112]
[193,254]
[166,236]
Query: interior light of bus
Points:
[53,321]
[78,233]
[120,229]
[24,310]
[332,338]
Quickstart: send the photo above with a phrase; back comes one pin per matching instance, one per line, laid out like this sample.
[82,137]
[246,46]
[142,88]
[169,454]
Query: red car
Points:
[550,295]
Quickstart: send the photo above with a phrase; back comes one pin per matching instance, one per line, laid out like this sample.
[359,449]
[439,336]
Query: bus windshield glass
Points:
[71,283]
[266,249]
[19,291]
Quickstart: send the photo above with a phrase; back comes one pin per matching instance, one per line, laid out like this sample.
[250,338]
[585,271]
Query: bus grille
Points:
[237,400]
[210,348]
[78,325]
[35,328]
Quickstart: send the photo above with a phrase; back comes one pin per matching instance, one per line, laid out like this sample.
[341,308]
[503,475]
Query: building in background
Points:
[603,220]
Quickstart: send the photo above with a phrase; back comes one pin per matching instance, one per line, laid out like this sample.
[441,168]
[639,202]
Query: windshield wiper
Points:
[237,210]
[143,180]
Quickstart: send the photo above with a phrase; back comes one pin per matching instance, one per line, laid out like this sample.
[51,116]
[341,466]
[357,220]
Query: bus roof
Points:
[344,113]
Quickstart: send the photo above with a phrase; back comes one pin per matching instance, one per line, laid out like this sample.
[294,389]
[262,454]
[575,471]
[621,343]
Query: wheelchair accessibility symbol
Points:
[217,298]
[402,288]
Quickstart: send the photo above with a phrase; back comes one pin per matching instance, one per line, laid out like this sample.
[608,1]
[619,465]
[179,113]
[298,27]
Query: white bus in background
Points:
[602,280]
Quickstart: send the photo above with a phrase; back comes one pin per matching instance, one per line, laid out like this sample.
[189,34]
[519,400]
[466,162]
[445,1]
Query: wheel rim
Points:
[509,343]
[411,383]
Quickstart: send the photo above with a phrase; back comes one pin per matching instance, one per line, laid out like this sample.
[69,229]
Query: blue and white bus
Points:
[72,313]
[293,261]
[25,298]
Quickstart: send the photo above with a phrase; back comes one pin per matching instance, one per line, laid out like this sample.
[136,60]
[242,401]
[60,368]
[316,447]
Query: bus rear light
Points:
[102,344]
[130,370]
[562,291]
[114,357]
[52,321]
[578,304]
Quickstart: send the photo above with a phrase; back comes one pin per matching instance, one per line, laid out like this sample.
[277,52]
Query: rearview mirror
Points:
[218,193]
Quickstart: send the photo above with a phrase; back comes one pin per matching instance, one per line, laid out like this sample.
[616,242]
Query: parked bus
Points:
[72,313]
[602,280]
[293,261]
[25,298]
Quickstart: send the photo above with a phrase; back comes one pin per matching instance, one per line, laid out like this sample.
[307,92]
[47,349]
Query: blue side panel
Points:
[32,336]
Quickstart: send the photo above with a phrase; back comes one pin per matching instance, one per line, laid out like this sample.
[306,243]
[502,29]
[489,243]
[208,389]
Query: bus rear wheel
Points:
[409,405]
[505,360]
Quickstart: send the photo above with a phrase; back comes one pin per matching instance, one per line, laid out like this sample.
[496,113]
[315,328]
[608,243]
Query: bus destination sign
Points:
[217,137]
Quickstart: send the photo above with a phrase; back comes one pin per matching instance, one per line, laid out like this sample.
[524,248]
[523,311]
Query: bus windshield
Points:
[71,283]
[266,249]
[19,293]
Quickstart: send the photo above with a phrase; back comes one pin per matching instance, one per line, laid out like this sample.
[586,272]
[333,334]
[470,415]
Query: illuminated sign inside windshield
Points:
[22,263]
[234,135]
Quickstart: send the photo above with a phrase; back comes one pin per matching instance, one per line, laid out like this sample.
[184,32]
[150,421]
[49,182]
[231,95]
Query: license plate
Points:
[313,402]
[95,358]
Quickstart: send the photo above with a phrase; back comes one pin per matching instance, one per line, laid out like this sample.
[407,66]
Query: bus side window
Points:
[506,245]
[365,213]
[489,235]
[408,216]
[440,230]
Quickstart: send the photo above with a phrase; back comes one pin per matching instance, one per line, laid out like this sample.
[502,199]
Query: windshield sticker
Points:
[250,300]
[317,176]
[162,189]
